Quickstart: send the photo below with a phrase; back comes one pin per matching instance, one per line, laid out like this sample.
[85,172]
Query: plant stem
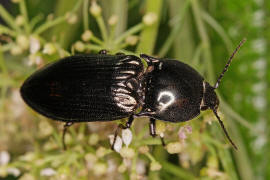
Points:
[129,32]
[8,19]
[85,14]
[23,10]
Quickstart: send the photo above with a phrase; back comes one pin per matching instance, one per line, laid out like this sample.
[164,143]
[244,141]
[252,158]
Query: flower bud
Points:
[16,50]
[118,143]
[34,45]
[113,20]
[71,18]
[144,149]
[86,36]
[155,166]
[122,168]
[19,20]
[182,133]
[47,172]
[49,49]
[101,151]
[174,147]
[150,18]
[127,152]
[79,46]
[132,40]
[93,139]
[4,158]
[99,168]
[22,41]
[95,9]
[127,136]
[160,127]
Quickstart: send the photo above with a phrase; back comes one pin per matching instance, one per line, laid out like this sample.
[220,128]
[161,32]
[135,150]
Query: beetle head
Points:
[210,99]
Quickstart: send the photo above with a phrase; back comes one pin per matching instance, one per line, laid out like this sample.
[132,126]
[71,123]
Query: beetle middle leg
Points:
[152,130]
[66,126]
[121,126]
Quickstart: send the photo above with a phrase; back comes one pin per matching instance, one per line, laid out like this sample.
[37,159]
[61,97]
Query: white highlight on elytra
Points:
[163,95]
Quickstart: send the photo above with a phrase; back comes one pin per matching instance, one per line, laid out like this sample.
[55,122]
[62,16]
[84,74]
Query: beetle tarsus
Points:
[66,126]
[162,141]
[152,127]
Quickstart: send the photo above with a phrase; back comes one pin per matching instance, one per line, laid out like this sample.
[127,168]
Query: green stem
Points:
[219,29]
[93,47]
[23,11]
[102,28]
[8,19]
[96,40]
[177,171]
[85,14]
[149,34]
[152,159]
[6,30]
[174,32]
[205,40]
[35,20]
[129,32]
[49,24]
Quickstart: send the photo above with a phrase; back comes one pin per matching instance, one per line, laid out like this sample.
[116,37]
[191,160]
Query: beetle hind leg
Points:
[152,130]
[66,126]
[121,126]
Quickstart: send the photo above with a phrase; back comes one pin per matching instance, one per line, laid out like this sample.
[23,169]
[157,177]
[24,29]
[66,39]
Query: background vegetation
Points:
[202,33]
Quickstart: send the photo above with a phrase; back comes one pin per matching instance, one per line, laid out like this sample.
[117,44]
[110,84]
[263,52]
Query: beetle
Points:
[103,87]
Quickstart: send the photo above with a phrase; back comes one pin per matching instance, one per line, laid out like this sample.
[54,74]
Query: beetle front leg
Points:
[66,126]
[121,126]
[152,129]
[103,51]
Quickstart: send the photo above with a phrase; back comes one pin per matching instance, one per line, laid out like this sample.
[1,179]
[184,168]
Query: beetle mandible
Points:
[103,87]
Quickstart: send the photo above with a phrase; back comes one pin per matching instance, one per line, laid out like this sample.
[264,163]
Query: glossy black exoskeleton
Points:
[87,88]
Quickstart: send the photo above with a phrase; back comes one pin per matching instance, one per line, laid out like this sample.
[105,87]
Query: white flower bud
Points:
[49,49]
[101,151]
[95,9]
[132,40]
[14,171]
[34,45]
[182,133]
[118,143]
[127,136]
[113,20]
[150,18]
[87,35]
[99,168]
[22,41]
[155,166]
[71,18]
[127,152]
[79,46]
[16,50]
[19,20]
[122,168]
[93,139]
[174,147]
[160,127]
[4,158]
[47,172]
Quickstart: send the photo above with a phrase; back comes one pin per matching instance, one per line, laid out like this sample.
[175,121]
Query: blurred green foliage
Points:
[200,33]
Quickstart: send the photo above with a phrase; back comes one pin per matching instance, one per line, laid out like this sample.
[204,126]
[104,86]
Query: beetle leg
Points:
[149,59]
[162,139]
[121,126]
[103,51]
[66,126]
[152,127]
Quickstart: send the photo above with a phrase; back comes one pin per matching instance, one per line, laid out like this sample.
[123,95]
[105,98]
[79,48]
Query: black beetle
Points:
[102,87]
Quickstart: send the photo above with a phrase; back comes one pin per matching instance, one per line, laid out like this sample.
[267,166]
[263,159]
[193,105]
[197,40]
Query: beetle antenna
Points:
[229,62]
[224,129]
